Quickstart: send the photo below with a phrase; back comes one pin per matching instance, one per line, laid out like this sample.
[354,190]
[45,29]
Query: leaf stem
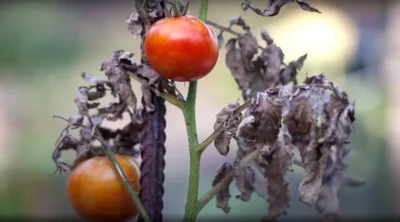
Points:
[224,182]
[135,198]
[202,146]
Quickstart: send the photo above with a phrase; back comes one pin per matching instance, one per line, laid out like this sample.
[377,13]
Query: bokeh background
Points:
[46,45]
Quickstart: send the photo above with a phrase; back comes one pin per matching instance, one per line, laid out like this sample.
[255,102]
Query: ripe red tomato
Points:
[97,193]
[181,48]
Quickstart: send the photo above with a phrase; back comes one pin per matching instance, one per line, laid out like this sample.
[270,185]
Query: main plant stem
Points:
[190,120]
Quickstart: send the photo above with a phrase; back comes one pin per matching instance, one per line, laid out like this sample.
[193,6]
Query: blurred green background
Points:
[46,45]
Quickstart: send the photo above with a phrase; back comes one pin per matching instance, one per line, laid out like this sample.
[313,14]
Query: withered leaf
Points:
[246,134]
[267,114]
[248,48]
[226,119]
[239,22]
[82,101]
[119,79]
[146,90]
[115,109]
[327,203]
[272,56]
[134,24]
[235,64]
[278,185]
[266,37]
[66,143]
[244,178]
[148,73]
[91,79]
[319,122]
[224,195]
[274,6]
[306,7]
[288,74]
[100,92]
[247,76]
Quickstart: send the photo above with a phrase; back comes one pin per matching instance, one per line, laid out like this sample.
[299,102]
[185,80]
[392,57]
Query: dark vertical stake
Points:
[153,140]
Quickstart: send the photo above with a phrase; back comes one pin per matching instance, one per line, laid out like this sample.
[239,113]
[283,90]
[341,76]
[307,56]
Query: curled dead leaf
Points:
[274,6]
[226,119]
[224,195]
[134,24]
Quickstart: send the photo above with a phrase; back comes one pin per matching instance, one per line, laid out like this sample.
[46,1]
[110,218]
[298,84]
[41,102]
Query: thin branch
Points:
[223,28]
[224,182]
[135,198]
[170,98]
[202,146]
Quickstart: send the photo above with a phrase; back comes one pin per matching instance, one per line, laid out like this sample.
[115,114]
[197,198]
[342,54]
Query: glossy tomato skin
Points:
[96,192]
[182,48]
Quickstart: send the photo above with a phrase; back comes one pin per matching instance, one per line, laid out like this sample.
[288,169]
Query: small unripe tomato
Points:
[181,48]
[97,193]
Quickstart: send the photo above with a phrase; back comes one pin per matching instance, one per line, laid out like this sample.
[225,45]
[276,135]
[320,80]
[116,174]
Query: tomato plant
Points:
[97,193]
[181,48]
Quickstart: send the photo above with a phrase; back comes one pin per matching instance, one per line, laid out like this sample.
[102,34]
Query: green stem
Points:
[189,113]
[135,198]
[190,120]
[203,10]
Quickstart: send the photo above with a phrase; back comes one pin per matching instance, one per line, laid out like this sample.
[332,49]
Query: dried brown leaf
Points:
[306,7]
[119,79]
[289,74]
[244,178]
[266,37]
[246,134]
[239,22]
[230,122]
[91,79]
[267,114]
[274,6]
[272,56]
[224,195]
[147,72]
[278,184]
[82,101]
[248,49]
[134,24]
[146,90]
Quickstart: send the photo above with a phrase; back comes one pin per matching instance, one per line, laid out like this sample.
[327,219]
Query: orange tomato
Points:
[97,193]
[181,48]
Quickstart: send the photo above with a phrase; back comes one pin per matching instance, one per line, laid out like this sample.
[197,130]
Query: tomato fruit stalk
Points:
[181,48]
[97,193]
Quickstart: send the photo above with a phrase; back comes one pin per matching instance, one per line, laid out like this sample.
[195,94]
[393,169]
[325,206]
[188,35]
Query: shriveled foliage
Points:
[315,118]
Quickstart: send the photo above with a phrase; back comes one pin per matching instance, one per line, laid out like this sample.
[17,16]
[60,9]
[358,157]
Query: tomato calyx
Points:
[174,11]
